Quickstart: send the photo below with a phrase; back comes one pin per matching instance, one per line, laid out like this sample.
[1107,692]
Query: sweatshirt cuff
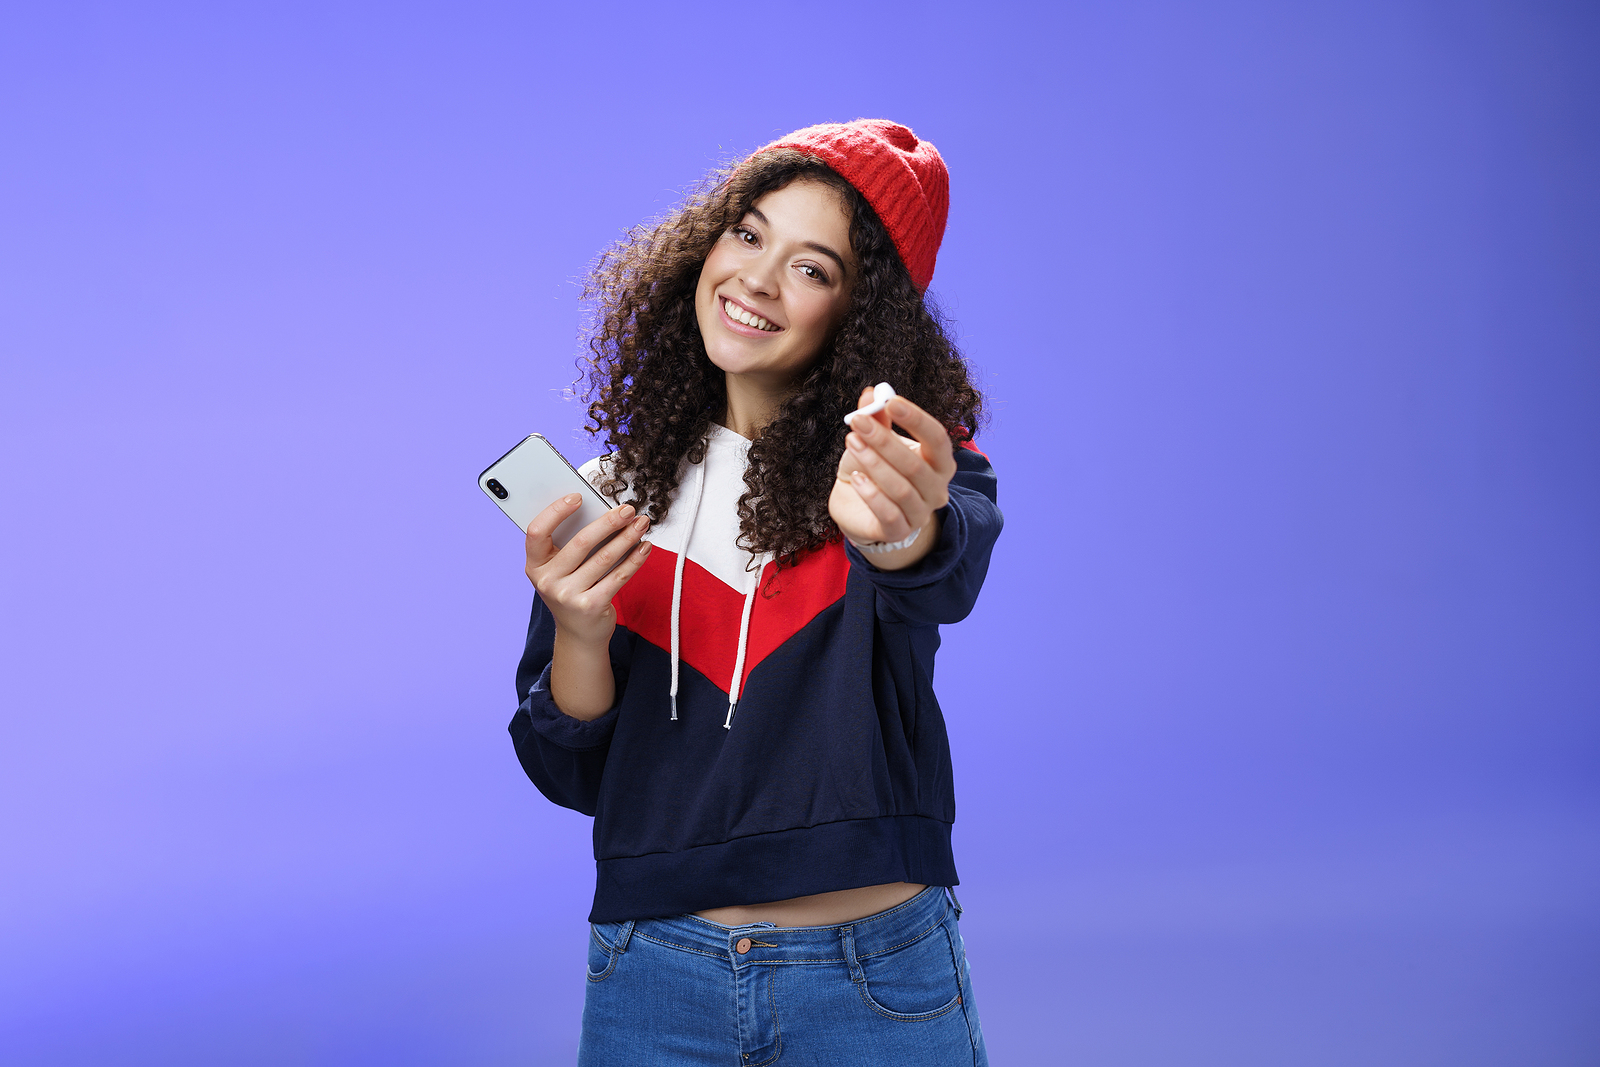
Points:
[930,569]
[561,729]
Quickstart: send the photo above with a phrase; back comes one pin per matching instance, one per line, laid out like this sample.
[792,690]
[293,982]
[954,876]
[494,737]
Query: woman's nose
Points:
[760,276]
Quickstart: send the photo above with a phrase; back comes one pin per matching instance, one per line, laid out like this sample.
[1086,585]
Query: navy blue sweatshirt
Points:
[808,753]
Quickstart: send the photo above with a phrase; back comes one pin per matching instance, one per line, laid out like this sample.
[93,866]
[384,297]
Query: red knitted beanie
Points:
[904,180]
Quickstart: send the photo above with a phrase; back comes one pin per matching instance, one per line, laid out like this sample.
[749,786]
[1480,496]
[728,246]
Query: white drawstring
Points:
[677,576]
[744,641]
[758,561]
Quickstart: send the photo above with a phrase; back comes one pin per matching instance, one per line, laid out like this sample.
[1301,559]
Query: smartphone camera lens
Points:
[496,488]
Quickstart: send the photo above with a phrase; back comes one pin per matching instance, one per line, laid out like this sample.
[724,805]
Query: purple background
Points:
[1275,729]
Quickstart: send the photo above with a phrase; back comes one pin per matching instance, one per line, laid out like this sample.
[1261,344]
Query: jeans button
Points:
[743,946]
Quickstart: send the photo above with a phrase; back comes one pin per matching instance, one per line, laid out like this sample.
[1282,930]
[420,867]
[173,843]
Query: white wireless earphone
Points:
[881,394]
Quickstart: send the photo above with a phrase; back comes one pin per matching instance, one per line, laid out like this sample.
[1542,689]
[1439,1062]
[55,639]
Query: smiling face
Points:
[775,286]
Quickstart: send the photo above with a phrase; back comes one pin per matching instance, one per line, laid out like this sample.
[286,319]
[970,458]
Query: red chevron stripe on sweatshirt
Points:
[709,616]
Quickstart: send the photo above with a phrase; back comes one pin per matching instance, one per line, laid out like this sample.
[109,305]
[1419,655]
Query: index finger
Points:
[583,543]
[925,429]
[543,525]
[881,416]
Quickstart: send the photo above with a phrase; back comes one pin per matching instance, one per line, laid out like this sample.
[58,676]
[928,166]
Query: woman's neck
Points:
[751,404]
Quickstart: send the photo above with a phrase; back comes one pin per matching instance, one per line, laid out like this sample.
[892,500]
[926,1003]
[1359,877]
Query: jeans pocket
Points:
[919,980]
[603,955]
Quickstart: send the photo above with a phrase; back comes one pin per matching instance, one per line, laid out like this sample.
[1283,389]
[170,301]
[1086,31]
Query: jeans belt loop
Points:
[623,936]
[847,935]
[955,900]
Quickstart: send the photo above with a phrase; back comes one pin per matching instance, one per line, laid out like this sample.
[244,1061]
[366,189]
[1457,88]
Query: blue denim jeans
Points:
[889,990]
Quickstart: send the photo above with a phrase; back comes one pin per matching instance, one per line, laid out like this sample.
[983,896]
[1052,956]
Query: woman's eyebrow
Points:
[814,246]
[830,253]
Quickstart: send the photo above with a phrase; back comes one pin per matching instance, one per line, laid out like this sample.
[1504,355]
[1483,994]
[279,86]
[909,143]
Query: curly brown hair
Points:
[654,393]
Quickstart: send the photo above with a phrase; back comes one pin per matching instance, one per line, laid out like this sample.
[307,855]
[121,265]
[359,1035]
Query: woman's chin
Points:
[737,360]
[760,375]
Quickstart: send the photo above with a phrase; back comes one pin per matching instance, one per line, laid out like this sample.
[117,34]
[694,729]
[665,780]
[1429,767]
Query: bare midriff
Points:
[819,909]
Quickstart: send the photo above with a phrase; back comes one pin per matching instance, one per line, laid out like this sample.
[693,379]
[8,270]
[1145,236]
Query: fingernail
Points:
[642,523]
[625,510]
[644,548]
[571,498]
[898,407]
[854,442]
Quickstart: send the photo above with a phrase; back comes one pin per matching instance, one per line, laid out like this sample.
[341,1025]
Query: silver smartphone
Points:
[531,477]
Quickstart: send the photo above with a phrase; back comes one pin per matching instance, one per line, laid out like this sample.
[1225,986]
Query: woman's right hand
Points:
[578,591]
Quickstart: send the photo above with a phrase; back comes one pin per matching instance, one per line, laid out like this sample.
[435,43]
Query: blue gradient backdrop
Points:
[1275,730]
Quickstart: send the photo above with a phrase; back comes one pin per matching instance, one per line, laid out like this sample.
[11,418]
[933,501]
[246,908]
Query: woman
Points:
[743,702]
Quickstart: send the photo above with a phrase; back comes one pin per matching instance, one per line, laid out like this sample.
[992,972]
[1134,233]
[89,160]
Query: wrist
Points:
[582,642]
[581,681]
[877,548]
[895,559]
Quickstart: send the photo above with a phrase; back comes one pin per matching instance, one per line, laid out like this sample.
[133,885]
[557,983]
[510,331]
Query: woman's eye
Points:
[813,273]
[744,235]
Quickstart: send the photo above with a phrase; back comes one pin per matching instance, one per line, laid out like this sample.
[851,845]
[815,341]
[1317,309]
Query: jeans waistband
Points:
[765,943]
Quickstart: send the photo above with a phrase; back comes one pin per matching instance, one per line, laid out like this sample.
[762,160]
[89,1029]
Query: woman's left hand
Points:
[889,486]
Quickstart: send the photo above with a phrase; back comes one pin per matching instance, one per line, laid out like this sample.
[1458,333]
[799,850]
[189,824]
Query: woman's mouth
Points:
[740,315]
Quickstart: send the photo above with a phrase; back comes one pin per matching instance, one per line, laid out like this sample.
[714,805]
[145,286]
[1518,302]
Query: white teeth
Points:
[739,314]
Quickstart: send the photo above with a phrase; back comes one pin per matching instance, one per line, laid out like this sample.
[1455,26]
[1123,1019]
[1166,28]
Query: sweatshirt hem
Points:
[775,866]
